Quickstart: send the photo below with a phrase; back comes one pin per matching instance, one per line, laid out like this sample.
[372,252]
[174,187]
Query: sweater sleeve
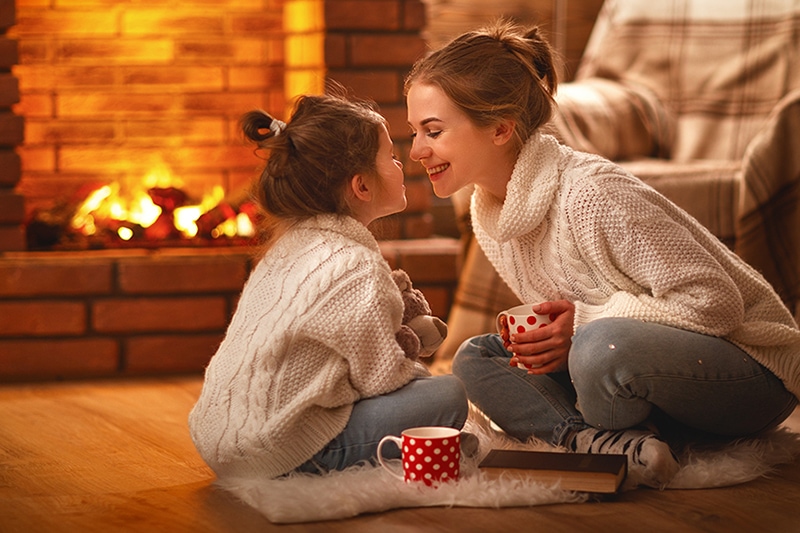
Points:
[357,321]
[663,266]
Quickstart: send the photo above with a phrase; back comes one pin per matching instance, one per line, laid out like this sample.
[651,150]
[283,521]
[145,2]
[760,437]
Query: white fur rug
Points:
[369,489]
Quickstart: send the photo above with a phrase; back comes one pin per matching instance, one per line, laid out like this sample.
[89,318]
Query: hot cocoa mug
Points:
[429,454]
[518,320]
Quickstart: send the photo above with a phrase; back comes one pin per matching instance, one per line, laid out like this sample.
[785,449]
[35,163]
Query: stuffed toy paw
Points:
[421,333]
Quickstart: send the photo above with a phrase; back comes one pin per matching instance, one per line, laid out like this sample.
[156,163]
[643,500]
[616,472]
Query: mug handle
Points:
[399,442]
[497,321]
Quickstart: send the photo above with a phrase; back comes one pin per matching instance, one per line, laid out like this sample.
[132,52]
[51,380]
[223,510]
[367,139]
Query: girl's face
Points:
[454,151]
[389,190]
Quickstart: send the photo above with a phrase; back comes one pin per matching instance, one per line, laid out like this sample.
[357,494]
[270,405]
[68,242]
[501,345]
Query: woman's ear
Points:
[360,188]
[503,131]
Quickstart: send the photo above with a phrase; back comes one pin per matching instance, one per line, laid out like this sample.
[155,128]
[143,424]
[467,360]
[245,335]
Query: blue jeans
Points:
[430,401]
[620,371]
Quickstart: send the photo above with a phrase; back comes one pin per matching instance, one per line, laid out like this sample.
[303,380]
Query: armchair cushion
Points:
[613,119]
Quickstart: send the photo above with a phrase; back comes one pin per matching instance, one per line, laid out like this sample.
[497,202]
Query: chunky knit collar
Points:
[529,194]
[342,225]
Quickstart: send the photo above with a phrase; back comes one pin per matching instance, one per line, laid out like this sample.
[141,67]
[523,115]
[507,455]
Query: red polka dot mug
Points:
[517,320]
[429,454]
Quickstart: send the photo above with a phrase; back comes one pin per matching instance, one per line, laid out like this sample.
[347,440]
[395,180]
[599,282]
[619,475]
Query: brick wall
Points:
[12,210]
[127,313]
[370,46]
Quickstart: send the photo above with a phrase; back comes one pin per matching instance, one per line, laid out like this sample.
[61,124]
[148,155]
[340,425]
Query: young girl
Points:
[310,376]
[655,317]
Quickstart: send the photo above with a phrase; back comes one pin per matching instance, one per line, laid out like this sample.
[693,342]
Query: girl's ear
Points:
[360,188]
[503,131]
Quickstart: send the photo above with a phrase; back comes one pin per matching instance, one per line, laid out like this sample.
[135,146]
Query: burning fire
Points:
[158,209]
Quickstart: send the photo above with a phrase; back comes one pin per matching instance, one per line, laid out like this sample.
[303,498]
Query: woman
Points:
[310,375]
[654,315]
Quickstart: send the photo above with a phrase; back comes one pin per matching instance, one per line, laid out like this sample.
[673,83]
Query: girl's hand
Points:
[547,346]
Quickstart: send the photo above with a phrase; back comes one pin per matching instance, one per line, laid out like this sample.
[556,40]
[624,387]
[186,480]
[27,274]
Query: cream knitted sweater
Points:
[578,227]
[312,334]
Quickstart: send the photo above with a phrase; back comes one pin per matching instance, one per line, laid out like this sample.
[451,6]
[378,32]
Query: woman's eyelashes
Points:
[431,134]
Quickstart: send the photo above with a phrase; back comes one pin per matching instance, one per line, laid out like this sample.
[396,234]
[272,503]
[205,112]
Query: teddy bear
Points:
[421,333]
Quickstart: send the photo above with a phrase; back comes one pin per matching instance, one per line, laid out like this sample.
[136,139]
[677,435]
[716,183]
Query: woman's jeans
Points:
[431,401]
[620,369]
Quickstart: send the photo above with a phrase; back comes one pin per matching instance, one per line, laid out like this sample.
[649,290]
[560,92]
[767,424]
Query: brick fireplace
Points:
[108,91]
[116,90]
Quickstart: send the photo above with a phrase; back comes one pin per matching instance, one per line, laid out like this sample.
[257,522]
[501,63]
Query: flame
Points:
[244,225]
[186,216]
[106,202]
[240,226]
[138,208]
[161,176]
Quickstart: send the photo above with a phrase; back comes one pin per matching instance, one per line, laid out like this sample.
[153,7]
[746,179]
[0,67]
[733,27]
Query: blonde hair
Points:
[501,71]
[328,140]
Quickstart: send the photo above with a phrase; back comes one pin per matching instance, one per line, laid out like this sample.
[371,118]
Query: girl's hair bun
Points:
[259,126]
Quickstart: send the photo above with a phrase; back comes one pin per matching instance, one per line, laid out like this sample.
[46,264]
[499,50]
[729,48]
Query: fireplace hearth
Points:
[135,312]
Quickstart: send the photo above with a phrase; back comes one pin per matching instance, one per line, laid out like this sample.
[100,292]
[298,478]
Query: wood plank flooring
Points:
[115,456]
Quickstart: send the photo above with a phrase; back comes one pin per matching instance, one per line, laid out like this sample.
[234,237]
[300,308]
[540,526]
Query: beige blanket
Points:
[768,224]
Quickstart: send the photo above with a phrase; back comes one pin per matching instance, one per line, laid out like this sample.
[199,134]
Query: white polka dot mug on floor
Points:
[429,454]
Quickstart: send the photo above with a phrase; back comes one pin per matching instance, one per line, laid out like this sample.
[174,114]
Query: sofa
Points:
[701,100]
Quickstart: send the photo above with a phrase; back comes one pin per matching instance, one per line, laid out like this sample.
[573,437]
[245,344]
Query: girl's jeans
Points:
[431,401]
[619,370]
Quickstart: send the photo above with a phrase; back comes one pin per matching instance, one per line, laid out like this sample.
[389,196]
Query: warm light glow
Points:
[186,219]
[107,203]
[125,233]
[186,216]
[244,226]
[161,176]
[83,219]
[227,228]
[142,210]
[304,46]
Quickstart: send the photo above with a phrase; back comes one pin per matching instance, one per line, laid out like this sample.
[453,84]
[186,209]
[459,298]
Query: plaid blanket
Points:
[690,96]
[768,225]
[719,66]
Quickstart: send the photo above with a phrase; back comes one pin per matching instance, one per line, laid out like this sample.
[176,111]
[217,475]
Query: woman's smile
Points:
[434,171]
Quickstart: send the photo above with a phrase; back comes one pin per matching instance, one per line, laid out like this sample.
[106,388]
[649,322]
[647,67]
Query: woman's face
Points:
[454,151]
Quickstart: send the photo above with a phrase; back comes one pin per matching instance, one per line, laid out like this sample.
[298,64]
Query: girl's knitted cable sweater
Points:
[313,333]
[578,227]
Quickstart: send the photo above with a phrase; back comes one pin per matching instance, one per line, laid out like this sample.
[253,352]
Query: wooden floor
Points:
[115,456]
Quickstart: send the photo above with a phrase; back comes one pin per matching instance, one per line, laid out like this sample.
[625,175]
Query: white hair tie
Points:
[277,126]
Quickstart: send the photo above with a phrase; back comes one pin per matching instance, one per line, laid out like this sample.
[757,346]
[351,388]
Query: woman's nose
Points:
[418,149]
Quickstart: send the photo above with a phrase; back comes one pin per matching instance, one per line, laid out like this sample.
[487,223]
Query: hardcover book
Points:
[582,472]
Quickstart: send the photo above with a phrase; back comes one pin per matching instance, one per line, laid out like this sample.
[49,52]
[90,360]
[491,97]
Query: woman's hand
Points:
[547,346]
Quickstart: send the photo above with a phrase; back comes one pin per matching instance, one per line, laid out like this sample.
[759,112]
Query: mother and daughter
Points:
[656,320]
